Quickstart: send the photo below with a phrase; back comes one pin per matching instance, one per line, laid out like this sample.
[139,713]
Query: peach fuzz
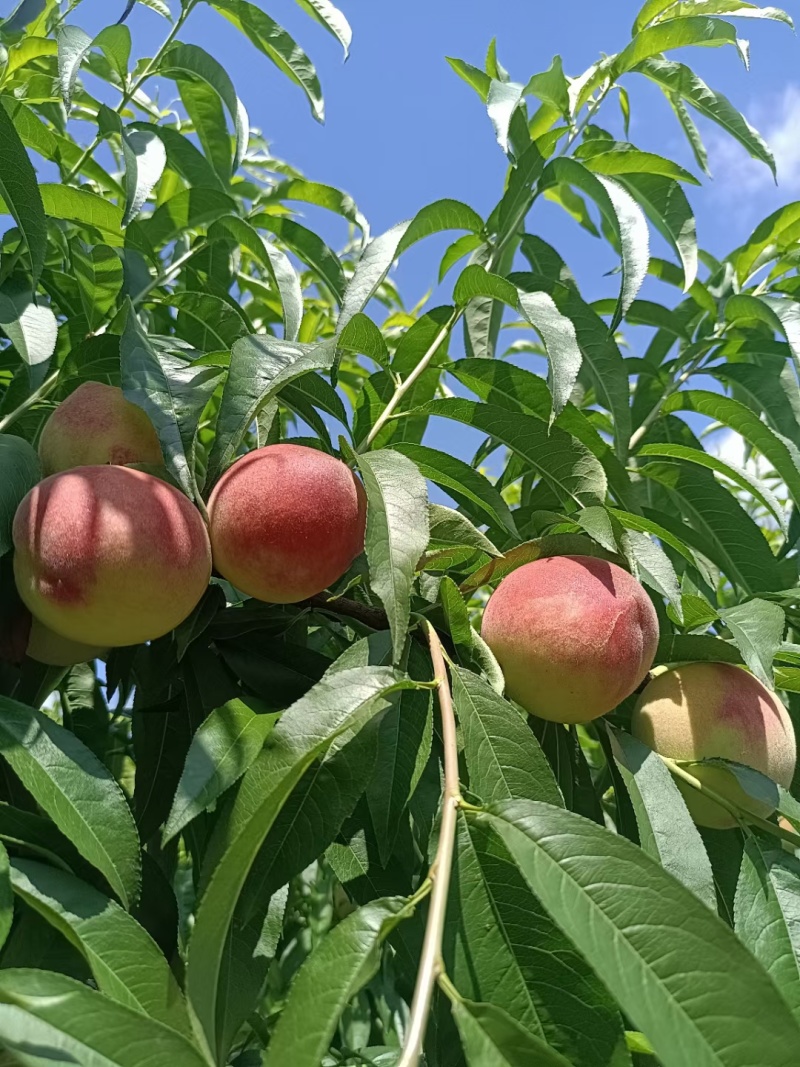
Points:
[109,556]
[716,710]
[286,521]
[94,425]
[574,636]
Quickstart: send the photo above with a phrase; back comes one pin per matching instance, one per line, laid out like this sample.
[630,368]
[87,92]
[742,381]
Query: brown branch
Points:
[375,618]
[430,965]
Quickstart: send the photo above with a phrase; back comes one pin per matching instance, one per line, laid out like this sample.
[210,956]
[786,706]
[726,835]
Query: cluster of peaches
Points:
[107,555]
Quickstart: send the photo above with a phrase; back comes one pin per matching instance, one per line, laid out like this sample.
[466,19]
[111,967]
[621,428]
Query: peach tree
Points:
[319,814]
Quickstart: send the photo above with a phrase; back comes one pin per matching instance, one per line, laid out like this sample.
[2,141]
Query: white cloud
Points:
[778,121]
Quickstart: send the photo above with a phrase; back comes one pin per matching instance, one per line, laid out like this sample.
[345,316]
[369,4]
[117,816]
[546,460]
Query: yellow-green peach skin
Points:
[574,636]
[109,556]
[95,425]
[717,711]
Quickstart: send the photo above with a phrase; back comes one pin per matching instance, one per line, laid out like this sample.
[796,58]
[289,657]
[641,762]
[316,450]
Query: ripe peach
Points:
[574,636]
[285,522]
[109,556]
[716,710]
[94,425]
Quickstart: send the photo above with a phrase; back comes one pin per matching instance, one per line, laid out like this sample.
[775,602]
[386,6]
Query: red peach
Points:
[717,711]
[109,556]
[94,425]
[285,522]
[574,636]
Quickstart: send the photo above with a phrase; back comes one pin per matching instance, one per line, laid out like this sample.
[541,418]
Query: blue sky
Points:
[403,130]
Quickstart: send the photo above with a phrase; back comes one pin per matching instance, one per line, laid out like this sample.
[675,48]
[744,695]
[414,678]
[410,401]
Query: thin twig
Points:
[430,966]
[404,386]
[46,387]
[742,815]
[133,89]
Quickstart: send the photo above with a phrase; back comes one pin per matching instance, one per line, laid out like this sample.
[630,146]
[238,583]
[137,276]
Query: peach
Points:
[94,425]
[285,522]
[717,710]
[574,636]
[109,556]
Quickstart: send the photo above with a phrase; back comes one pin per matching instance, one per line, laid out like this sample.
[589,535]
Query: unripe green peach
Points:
[717,711]
[574,636]
[95,425]
[286,521]
[109,556]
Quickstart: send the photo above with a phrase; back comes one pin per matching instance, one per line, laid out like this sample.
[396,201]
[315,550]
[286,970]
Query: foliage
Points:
[218,845]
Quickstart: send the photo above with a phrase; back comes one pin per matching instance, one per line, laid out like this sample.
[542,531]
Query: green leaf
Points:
[310,248]
[757,628]
[491,1038]
[678,9]
[6,897]
[260,366]
[678,972]
[371,270]
[54,1018]
[740,477]
[518,197]
[678,80]
[341,965]
[551,87]
[172,393]
[77,792]
[621,213]
[363,336]
[564,355]
[468,487]
[601,354]
[187,210]
[222,749]
[397,533]
[782,454]
[622,159]
[181,59]
[502,101]
[84,208]
[99,274]
[450,527]
[669,210]
[438,216]
[666,829]
[73,45]
[126,963]
[339,703]
[503,948]
[30,326]
[774,235]
[767,914]
[20,192]
[503,757]
[326,196]
[329,16]
[20,470]
[145,159]
[277,263]
[206,115]
[277,45]
[567,466]
[674,33]
[115,44]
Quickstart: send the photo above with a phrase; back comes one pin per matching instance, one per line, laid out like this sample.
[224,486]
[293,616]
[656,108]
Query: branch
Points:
[375,618]
[405,385]
[430,965]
